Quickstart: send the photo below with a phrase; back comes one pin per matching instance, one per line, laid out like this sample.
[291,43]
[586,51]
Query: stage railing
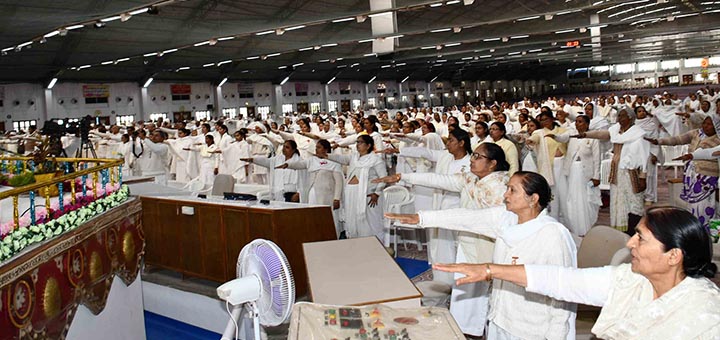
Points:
[102,172]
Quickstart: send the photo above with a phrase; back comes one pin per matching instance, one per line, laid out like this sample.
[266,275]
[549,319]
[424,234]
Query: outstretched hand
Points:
[472,272]
[392,179]
[404,218]
[652,141]
[686,157]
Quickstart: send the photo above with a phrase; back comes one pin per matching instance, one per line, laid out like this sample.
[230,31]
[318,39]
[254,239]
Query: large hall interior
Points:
[359,169]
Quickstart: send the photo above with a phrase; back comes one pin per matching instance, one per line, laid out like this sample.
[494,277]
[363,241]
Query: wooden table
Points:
[357,272]
[202,238]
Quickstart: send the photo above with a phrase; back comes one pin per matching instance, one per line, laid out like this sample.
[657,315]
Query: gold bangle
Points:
[488,272]
[398,176]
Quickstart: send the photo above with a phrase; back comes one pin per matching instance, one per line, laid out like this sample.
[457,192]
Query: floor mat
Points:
[158,327]
[411,267]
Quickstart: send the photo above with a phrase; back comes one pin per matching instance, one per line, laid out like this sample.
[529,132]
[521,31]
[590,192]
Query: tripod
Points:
[87,146]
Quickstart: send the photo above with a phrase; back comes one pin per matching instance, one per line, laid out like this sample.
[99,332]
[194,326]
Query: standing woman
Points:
[480,188]
[581,170]
[550,154]
[524,233]
[700,180]
[371,128]
[361,203]
[209,160]
[497,133]
[284,183]
[325,180]
[627,169]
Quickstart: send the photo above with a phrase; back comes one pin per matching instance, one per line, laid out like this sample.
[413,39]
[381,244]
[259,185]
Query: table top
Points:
[355,272]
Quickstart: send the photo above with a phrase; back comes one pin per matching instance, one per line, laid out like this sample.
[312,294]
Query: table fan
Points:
[265,286]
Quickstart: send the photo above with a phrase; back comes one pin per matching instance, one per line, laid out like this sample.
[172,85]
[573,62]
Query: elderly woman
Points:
[627,169]
[700,180]
[663,294]
[361,201]
[523,233]
[498,134]
[482,187]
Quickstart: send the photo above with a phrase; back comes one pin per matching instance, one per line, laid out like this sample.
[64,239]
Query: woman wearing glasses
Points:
[482,187]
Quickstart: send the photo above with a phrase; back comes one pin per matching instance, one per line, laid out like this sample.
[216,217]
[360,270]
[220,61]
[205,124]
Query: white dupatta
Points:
[356,200]
[635,149]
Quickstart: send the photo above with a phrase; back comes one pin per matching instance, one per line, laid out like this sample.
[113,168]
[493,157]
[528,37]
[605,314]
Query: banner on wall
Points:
[180,89]
[2,92]
[412,86]
[301,87]
[344,85]
[96,91]
[245,87]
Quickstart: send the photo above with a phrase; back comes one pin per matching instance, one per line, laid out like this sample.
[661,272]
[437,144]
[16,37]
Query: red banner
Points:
[180,89]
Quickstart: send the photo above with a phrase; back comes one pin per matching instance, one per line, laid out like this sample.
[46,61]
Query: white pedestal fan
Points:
[265,286]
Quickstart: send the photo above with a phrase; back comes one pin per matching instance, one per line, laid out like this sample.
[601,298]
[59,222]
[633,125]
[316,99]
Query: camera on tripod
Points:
[79,128]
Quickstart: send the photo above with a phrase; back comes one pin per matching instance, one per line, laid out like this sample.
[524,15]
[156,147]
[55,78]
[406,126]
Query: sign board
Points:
[180,89]
[96,91]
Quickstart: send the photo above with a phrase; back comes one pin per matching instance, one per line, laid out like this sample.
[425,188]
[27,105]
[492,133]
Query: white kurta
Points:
[514,312]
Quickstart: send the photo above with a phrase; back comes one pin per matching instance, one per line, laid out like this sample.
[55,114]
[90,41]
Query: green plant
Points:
[22,179]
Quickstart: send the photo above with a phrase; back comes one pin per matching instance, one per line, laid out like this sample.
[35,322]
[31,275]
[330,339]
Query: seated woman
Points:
[524,233]
[361,202]
[284,183]
[663,294]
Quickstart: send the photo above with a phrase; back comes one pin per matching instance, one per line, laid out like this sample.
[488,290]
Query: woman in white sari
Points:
[628,169]
[663,294]
[524,233]
[581,171]
[362,204]
[284,184]
[550,154]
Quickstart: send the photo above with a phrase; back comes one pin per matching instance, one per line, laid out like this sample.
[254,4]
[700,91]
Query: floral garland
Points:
[15,241]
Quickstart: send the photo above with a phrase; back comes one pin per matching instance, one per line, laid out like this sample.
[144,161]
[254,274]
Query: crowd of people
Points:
[507,184]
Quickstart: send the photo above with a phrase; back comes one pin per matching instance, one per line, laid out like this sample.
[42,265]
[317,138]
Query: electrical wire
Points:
[237,329]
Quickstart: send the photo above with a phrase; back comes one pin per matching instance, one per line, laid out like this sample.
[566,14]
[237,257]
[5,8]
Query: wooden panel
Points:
[151,230]
[236,237]
[170,253]
[212,241]
[188,230]
[260,225]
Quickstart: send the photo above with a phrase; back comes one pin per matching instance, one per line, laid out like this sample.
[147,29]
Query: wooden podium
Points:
[203,238]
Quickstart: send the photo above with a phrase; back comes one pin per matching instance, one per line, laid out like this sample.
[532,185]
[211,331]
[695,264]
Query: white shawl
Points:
[690,310]
[636,149]
[356,203]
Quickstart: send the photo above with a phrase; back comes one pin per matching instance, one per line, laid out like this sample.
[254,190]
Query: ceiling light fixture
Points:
[121,60]
[253,58]
[139,11]
[52,83]
[170,51]
[343,20]
[223,82]
[453,44]
[113,18]
[365,41]
[148,82]
[295,28]
[149,54]
[226,38]
[224,62]
[51,34]
[305,49]
[273,55]
[208,65]
[520,36]
[379,14]
[125,17]
[99,24]
[529,18]
[564,31]
[265,32]
[331,80]
[372,79]
[285,80]
[441,30]
[74,27]
[107,62]
[201,43]
[404,80]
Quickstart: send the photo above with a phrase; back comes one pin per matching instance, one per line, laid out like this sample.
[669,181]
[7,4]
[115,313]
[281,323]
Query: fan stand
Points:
[253,313]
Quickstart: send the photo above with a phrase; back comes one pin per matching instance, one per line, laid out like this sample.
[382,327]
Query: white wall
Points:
[22,102]
[124,100]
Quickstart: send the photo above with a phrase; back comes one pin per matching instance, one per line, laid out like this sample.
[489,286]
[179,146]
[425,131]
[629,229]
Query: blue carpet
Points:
[411,267]
[158,327]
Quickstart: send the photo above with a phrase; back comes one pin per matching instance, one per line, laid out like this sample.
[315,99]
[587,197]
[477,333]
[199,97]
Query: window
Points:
[647,66]
[650,80]
[287,108]
[371,102]
[23,125]
[263,110]
[714,61]
[199,115]
[332,105]
[693,62]
[315,108]
[246,94]
[673,79]
[124,119]
[1,103]
[356,104]
[229,112]
[243,112]
[624,68]
[156,116]
[96,100]
[669,64]
[179,97]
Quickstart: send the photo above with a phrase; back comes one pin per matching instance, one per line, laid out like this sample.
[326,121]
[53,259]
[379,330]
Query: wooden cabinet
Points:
[206,242]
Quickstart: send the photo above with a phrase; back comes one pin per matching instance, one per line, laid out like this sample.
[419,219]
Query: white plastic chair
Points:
[223,183]
[605,174]
[600,245]
[395,198]
[670,152]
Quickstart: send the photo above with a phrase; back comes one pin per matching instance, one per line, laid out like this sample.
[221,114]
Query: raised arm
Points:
[342,159]
[453,182]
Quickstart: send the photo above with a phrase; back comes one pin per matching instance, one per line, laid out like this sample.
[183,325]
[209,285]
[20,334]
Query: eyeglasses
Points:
[476,156]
